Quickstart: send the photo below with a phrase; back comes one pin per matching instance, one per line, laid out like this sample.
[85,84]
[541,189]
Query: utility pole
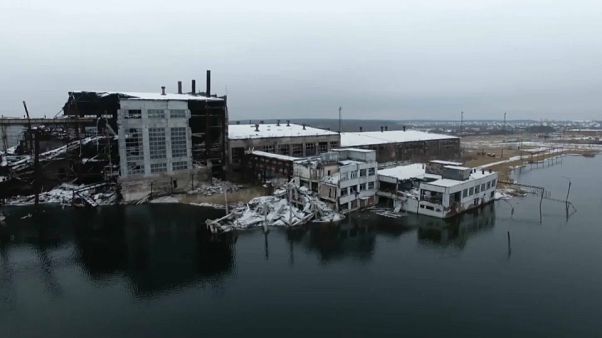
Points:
[340,109]
[30,141]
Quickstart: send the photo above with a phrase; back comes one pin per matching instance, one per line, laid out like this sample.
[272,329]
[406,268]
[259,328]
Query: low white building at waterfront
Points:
[438,188]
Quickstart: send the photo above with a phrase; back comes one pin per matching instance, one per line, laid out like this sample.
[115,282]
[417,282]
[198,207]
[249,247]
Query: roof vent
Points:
[361,129]
[386,128]
[288,123]
[278,123]
[237,122]
[382,129]
[256,127]
[162,90]
[404,128]
[303,126]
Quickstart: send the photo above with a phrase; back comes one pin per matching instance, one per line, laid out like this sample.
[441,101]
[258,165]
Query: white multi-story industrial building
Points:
[344,178]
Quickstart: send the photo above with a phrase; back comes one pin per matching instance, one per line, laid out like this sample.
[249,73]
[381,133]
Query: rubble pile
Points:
[280,209]
[73,195]
[216,186]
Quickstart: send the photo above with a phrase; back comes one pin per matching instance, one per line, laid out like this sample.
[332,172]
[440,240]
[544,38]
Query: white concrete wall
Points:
[144,123]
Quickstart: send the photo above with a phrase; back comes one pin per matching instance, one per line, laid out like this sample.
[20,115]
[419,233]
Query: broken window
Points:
[135,168]
[323,147]
[156,142]
[310,149]
[334,144]
[283,149]
[362,172]
[180,165]
[353,174]
[133,114]
[158,168]
[269,148]
[371,171]
[178,142]
[362,187]
[298,150]
[156,114]
[370,185]
[177,113]
[134,151]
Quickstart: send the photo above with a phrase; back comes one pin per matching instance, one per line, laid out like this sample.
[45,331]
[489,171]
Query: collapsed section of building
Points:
[167,141]
[150,143]
[344,178]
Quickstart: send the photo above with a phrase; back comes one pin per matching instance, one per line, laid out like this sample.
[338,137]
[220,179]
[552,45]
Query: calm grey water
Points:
[151,271]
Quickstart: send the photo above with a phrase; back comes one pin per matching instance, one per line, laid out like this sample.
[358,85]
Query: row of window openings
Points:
[362,173]
[356,188]
[297,149]
[477,189]
[156,113]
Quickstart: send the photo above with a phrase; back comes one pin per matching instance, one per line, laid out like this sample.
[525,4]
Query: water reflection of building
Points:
[157,251]
[456,231]
[154,249]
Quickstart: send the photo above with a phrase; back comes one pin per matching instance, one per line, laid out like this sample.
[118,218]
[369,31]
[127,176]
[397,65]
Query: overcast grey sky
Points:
[277,59]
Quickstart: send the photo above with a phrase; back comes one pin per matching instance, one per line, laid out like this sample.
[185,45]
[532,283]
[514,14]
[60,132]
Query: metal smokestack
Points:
[208,91]
[193,89]
[179,87]
[162,90]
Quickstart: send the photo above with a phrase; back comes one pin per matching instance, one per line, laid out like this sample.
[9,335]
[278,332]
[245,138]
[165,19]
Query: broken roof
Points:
[246,131]
[150,96]
[352,139]
[274,156]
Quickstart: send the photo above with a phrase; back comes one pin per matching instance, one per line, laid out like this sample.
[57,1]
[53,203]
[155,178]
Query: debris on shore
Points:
[287,207]
[216,186]
[71,195]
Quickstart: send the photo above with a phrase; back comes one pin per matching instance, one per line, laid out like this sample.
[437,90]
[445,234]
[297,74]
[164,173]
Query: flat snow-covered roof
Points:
[153,96]
[404,172]
[446,162]
[446,182]
[352,139]
[246,131]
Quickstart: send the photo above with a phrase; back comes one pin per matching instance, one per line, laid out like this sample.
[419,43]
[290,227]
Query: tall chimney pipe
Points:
[193,89]
[162,90]
[179,87]
[208,91]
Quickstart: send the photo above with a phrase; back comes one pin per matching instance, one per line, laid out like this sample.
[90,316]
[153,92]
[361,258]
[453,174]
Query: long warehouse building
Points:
[404,145]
